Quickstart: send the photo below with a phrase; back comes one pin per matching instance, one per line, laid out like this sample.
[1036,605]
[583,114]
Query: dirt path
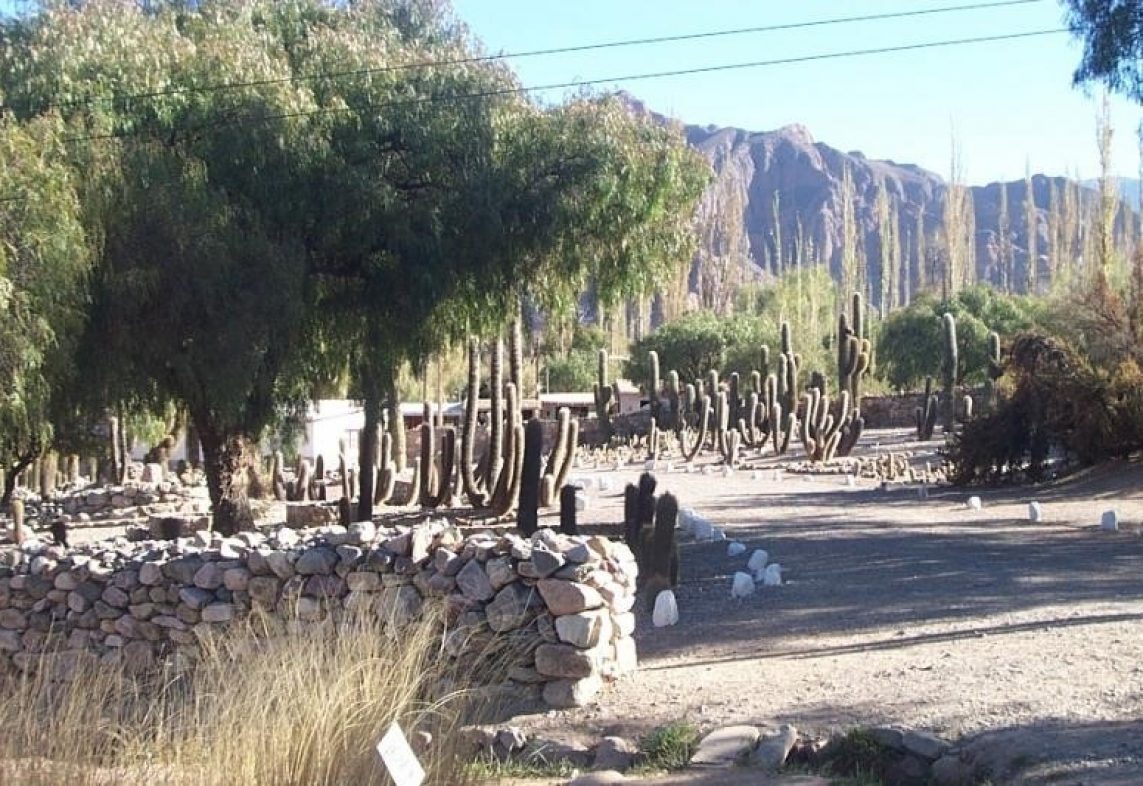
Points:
[901,610]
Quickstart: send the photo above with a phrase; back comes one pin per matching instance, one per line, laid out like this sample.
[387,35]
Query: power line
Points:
[538,53]
[603,80]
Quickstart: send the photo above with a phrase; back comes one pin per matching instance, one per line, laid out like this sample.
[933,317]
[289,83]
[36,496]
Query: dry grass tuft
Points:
[305,708]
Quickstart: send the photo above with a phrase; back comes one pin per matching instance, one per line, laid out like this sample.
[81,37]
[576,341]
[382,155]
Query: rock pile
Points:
[565,602]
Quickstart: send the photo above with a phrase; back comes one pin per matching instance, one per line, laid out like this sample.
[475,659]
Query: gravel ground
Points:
[903,610]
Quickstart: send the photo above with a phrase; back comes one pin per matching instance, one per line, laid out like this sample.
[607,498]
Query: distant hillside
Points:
[778,197]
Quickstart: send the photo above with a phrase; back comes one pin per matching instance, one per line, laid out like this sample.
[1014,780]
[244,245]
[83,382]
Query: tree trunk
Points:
[226,461]
[13,475]
[367,455]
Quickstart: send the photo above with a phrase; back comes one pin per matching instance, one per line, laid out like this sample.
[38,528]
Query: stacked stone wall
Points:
[565,601]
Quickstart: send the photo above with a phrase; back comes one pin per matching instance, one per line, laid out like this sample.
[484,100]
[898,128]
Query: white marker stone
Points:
[1109,521]
[742,585]
[974,503]
[666,610]
[735,549]
[1035,513]
[773,575]
[757,562]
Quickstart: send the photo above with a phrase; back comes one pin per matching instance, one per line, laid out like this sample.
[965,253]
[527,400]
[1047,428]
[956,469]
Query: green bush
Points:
[910,342]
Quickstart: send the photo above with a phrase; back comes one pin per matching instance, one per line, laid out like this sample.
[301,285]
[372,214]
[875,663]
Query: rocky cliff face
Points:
[778,200]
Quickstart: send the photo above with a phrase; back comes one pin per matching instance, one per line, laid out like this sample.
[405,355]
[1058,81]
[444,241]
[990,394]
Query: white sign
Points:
[399,758]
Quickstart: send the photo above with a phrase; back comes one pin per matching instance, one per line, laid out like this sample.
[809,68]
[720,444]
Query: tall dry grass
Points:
[305,708]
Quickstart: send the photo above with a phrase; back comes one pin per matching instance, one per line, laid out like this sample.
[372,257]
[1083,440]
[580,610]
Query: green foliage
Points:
[44,262]
[911,341]
[1112,35]
[669,747]
[573,369]
[695,343]
[857,755]
[808,300]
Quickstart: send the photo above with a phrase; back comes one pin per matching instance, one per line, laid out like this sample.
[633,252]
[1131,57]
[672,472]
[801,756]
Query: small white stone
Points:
[755,475]
[702,529]
[669,467]
[735,549]
[974,503]
[850,481]
[776,475]
[757,562]
[605,484]
[773,575]
[742,585]
[666,610]
[1109,521]
[1035,514]
[716,533]
[580,503]
[727,472]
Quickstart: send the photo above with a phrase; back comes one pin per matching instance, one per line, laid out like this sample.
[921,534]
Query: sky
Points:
[1009,105]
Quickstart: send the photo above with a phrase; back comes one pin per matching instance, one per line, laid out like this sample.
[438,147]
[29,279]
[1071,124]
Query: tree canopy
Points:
[1112,35]
[273,192]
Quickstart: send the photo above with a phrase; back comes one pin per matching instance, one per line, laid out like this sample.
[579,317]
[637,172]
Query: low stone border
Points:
[565,600]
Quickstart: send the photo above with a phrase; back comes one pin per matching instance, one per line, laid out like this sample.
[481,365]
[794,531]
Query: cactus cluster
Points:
[649,524]
[827,433]
[511,474]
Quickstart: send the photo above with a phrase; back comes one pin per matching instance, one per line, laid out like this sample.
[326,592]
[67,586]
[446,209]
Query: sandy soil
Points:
[901,610]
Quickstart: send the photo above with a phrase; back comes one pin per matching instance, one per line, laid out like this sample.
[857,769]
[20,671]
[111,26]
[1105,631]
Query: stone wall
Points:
[565,601]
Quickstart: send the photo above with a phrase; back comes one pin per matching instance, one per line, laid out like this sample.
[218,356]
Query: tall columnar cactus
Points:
[788,373]
[495,456]
[397,428]
[386,471]
[528,509]
[604,398]
[427,463]
[508,484]
[949,371]
[734,399]
[561,457]
[674,402]
[995,371]
[926,415]
[764,361]
[727,439]
[568,525]
[656,404]
[661,563]
[472,490]
[702,423]
[631,517]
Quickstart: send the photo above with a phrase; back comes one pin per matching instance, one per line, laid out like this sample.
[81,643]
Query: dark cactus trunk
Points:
[225,460]
[528,516]
[367,457]
[568,524]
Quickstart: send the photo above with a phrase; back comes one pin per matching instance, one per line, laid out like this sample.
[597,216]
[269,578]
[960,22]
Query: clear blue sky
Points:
[1010,102]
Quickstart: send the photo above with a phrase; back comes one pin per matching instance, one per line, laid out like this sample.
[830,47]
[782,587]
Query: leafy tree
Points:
[44,259]
[573,368]
[911,340]
[1112,35]
[697,342]
[194,195]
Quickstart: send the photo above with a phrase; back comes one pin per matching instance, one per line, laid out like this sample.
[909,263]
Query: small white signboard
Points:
[399,758]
